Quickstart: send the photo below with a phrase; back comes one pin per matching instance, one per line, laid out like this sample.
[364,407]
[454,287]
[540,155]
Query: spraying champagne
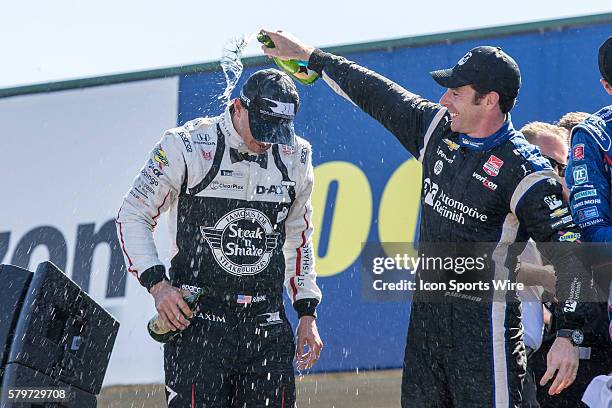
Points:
[295,68]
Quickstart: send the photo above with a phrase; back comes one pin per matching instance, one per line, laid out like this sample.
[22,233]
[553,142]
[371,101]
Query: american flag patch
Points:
[245,299]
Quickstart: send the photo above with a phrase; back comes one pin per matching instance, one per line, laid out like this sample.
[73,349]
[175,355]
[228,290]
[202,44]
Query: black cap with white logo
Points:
[605,60]
[272,102]
[485,67]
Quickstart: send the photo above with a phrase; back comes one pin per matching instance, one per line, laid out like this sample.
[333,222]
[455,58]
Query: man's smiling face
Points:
[466,113]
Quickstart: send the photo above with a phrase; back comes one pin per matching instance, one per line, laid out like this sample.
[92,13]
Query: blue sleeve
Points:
[588,181]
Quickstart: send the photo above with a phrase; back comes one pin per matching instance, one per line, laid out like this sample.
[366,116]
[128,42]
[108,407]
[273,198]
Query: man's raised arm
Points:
[408,116]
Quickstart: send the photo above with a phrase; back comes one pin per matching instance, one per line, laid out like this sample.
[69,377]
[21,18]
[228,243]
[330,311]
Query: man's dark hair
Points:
[605,60]
[506,103]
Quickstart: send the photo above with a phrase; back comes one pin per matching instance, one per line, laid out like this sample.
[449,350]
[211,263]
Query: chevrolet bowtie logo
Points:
[451,145]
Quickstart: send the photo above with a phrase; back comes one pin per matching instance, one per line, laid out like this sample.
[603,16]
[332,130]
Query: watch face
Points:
[577,337]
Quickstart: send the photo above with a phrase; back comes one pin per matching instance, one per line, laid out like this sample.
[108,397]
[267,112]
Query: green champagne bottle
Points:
[295,68]
[159,331]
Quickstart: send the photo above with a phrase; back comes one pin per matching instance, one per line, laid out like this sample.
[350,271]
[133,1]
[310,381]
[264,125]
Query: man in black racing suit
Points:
[240,220]
[482,182]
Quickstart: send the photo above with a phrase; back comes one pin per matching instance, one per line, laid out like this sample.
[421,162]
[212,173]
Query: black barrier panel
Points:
[12,293]
[62,332]
[44,391]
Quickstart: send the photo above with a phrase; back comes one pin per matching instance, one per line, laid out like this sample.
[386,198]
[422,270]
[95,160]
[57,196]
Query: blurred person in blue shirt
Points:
[588,177]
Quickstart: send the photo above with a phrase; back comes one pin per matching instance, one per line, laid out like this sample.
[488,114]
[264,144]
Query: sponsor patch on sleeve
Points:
[587,214]
[558,212]
[569,236]
[160,157]
[565,220]
[585,193]
[570,306]
[581,175]
[553,202]
[590,201]
[186,141]
[578,152]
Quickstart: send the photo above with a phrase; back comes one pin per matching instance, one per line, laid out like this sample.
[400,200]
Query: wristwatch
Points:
[575,336]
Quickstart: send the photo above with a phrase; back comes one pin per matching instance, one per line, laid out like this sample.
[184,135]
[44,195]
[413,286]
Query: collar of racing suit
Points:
[487,143]
[232,136]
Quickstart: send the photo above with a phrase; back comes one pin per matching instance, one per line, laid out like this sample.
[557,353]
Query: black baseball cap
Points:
[272,101]
[486,67]
[605,60]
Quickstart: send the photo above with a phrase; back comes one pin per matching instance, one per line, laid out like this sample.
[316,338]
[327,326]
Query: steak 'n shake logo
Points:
[242,241]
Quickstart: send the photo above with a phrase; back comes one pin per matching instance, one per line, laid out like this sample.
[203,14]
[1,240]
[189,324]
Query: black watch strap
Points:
[575,336]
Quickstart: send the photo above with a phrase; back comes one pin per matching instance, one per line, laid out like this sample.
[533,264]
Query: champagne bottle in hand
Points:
[162,333]
[295,68]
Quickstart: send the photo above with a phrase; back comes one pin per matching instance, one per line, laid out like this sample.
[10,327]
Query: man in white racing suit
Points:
[237,191]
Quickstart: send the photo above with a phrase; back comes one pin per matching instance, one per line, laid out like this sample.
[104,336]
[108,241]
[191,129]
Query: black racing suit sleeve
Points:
[406,115]
[543,213]
[153,276]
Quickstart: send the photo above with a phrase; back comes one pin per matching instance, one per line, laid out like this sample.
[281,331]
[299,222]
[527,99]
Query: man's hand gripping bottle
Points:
[295,68]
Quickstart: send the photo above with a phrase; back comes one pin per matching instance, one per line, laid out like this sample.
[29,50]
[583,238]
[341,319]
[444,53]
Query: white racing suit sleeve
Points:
[300,274]
[154,190]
